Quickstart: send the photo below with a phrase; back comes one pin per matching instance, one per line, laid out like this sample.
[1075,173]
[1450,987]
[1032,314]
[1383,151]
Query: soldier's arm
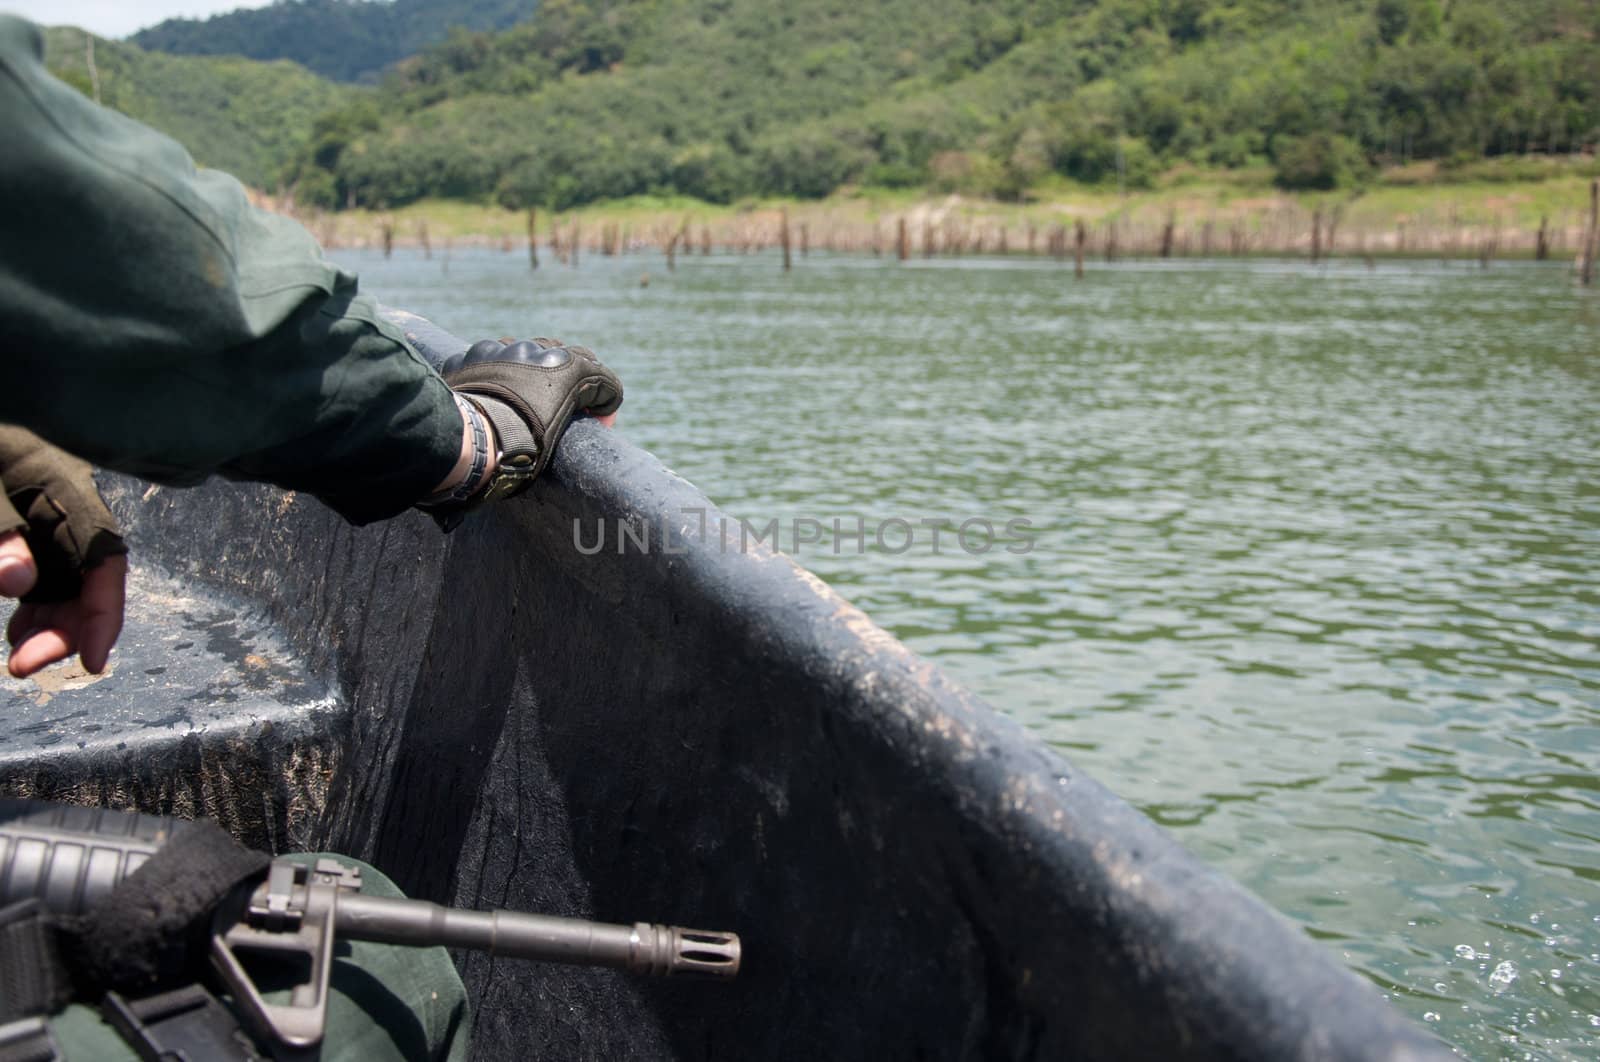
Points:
[154,322]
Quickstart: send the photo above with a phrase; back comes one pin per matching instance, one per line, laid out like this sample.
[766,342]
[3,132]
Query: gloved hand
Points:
[60,551]
[51,498]
[528,391]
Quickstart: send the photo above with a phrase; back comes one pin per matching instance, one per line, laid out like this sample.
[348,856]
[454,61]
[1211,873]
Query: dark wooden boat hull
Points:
[689,734]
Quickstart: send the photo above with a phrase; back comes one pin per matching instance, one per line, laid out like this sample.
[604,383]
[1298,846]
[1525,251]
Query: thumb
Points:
[17,570]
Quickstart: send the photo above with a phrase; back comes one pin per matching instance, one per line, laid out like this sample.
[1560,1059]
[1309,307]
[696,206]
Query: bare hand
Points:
[41,634]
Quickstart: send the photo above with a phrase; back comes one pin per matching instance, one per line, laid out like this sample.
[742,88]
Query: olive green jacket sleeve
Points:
[154,322]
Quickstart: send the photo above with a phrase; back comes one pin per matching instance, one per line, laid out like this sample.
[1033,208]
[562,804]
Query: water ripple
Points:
[1314,578]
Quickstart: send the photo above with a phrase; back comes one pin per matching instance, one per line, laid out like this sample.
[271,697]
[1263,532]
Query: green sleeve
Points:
[154,322]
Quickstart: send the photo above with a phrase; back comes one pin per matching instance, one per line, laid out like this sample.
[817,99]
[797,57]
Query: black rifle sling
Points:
[153,928]
[150,932]
[33,978]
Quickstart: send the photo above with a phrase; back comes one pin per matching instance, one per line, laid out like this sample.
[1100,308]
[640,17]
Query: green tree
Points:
[1322,161]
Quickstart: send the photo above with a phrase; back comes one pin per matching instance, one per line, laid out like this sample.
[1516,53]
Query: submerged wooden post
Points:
[783,238]
[1166,235]
[805,239]
[533,237]
[705,240]
[902,242]
[1541,242]
[1316,236]
[387,228]
[1591,238]
[927,239]
[1081,237]
[573,260]
[422,234]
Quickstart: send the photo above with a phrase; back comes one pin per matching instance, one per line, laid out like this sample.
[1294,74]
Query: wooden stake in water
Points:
[902,242]
[1081,237]
[1541,242]
[783,238]
[422,234]
[533,238]
[1591,238]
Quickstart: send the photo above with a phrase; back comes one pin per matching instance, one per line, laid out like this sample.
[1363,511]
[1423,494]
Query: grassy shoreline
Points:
[1408,212]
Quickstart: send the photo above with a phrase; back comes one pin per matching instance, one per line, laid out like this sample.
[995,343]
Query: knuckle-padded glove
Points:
[51,498]
[529,391]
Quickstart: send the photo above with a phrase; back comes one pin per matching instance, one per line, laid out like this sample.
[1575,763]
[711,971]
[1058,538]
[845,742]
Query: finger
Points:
[17,570]
[23,621]
[40,648]
[104,593]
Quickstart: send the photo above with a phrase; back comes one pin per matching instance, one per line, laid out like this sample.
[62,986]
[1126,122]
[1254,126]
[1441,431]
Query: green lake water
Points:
[1314,576]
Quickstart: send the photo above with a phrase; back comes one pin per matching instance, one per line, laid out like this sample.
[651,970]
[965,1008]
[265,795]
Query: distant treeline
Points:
[346,40]
[246,117]
[722,99]
[589,100]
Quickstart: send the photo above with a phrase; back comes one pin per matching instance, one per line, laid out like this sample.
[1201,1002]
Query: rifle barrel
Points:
[639,948]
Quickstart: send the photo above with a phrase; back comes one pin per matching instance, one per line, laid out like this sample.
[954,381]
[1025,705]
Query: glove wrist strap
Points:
[518,449]
[481,455]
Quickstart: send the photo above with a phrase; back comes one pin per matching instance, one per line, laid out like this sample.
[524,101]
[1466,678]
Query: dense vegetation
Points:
[724,99]
[233,114]
[347,40]
[720,99]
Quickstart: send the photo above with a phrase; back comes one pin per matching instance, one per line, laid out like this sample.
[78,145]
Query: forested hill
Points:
[721,99]
[725,99]
[233,114]
[347,40]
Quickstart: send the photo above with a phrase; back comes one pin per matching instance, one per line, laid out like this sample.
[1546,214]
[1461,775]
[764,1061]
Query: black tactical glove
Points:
[528,390]
[50,496]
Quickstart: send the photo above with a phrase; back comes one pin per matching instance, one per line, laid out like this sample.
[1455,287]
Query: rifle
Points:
[70,858]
